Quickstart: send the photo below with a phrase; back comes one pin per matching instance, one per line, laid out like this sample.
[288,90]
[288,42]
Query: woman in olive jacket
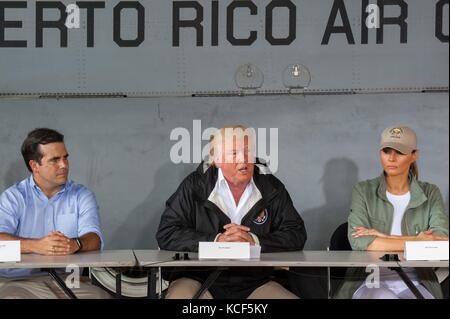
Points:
[389,210]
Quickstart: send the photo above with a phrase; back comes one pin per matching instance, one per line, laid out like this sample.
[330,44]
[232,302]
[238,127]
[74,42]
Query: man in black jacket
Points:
[230,198]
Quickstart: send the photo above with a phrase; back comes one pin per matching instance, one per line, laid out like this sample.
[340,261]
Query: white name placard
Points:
[426,250]
[215,250]
[9,251]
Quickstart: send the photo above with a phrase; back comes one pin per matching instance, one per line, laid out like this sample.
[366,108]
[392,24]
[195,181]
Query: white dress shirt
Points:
[222,197]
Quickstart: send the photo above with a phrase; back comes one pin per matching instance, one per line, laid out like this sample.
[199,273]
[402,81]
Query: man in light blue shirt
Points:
[49,214]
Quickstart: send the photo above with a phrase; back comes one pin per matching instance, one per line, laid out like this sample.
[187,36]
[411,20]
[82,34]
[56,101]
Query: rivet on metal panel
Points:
[296,76]
[249,76]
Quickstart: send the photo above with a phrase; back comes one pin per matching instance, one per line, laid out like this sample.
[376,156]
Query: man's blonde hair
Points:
[221,134]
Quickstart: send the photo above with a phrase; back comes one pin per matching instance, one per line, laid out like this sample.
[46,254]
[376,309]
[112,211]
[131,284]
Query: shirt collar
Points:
[33,185]
[220,177]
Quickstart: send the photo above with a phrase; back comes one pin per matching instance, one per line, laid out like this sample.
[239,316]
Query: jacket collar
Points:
[418,197]
[209,175]
[216,198]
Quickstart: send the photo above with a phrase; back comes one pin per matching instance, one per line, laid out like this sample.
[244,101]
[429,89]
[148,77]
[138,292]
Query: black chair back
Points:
[339,242]
[339,239]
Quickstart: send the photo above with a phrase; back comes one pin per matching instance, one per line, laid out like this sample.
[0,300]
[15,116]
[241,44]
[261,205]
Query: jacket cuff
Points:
[255,239]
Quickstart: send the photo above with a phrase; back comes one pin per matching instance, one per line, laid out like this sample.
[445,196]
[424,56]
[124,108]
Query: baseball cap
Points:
[400,138]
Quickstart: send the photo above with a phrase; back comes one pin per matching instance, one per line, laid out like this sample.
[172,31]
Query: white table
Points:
[107,258]
[327,259]
[154,260]
[161,258]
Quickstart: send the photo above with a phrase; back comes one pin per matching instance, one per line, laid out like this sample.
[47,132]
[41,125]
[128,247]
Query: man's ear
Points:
[34,166]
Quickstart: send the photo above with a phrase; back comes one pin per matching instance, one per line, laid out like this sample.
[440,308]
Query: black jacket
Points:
[190,217]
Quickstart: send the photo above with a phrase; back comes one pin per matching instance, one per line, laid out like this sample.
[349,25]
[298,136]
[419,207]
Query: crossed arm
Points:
[384,242]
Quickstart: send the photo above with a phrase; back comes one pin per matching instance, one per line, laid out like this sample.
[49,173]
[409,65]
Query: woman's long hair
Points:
[414,169]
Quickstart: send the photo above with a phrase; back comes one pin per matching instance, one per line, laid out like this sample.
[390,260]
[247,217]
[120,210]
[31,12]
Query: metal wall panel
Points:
[158,68]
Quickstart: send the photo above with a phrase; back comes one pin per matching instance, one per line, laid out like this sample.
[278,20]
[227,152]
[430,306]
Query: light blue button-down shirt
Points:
[25,211]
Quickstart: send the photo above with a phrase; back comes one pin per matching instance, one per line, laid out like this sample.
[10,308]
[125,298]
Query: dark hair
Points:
[40,136]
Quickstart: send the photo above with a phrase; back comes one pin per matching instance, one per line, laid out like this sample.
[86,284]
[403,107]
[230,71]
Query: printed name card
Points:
[426,250]
[216,250]
[9,251]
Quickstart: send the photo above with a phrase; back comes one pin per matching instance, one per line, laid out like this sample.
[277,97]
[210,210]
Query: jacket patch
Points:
[261,218]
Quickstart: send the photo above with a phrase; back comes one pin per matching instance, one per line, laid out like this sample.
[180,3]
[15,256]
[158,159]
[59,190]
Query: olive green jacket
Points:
[370,208]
